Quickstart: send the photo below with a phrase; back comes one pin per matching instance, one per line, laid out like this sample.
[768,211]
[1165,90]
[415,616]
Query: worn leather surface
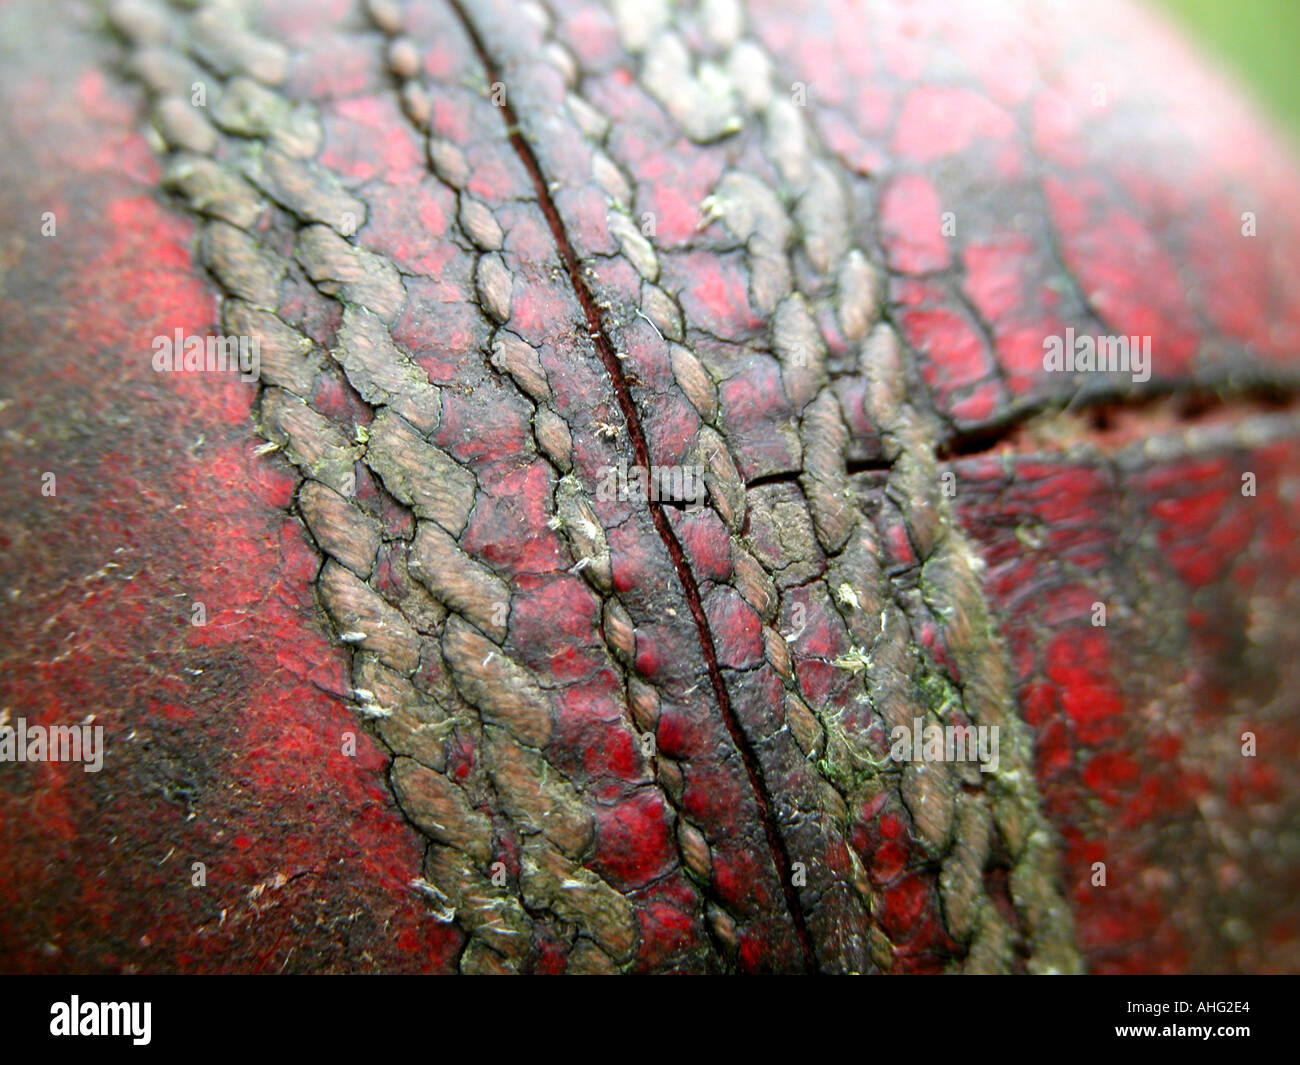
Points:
[491,251]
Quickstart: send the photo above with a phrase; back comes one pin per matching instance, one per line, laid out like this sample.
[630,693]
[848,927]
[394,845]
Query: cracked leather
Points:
[493,250]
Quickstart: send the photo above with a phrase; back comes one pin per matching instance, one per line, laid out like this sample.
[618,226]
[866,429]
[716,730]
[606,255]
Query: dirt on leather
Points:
[391,679]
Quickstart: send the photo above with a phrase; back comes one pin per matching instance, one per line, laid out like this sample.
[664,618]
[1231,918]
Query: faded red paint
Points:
[260,726]
[160,505]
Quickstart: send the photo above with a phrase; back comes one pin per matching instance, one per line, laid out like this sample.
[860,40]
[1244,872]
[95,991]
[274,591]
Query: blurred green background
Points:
[1257,40]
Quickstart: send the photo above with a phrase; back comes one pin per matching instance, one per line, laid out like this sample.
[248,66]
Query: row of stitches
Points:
[400,666]
[810,210]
